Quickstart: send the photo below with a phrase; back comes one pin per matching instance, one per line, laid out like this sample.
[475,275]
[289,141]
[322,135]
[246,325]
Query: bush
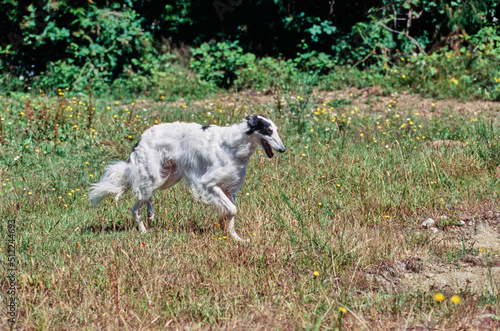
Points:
[220,63]
[267,73]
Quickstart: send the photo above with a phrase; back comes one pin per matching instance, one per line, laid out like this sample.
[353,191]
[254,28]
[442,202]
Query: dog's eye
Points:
[266,131]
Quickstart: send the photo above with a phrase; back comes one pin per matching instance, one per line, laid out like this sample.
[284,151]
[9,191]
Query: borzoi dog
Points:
[212,160]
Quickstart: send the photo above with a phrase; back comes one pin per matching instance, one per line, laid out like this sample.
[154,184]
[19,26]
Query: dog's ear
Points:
[258,123]
[253,123]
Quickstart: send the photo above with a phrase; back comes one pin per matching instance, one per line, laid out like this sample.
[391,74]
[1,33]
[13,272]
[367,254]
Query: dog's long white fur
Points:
[211,160]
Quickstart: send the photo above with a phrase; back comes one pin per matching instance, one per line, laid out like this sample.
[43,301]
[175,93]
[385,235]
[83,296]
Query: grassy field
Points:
[334,223]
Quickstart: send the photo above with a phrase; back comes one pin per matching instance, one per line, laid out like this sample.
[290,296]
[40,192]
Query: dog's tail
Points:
[115,181]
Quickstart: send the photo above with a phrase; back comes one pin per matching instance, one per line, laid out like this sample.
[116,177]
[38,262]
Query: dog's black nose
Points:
[281,150]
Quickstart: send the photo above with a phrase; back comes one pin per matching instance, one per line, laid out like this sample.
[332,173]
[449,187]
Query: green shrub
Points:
[220,63]
[267,73]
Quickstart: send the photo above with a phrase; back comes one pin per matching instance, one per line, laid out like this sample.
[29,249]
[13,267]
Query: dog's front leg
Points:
[228,208]
[151,211]
[137,214]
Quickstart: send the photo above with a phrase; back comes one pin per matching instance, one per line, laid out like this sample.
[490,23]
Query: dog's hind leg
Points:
[136,213]
[228,209]
[151,211]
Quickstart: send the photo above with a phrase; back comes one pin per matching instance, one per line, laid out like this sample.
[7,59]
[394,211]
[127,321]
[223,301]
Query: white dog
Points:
[211,159]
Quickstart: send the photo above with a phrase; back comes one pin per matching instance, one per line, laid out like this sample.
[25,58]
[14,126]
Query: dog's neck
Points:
[242,144]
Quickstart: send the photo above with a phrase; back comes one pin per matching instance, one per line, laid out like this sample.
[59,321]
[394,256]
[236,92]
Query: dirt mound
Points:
[471,265]
[377,101]
[370,98]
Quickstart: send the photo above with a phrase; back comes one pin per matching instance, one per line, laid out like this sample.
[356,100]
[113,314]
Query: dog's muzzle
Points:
[269,150]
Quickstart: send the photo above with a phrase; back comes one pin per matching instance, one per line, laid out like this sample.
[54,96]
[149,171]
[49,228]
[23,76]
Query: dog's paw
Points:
[142,228]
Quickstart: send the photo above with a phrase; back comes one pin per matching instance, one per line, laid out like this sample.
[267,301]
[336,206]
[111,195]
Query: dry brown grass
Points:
[330,205]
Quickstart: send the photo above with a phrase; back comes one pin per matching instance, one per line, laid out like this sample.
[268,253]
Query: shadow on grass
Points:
[127,225]
[108,227]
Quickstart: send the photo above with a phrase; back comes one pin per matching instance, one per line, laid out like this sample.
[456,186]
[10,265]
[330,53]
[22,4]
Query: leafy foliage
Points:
[220,63]
[133,44]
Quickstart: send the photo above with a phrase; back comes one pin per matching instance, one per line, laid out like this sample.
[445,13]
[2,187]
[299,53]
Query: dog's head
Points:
[266,133]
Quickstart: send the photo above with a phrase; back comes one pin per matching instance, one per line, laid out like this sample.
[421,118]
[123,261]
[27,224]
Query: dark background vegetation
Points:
[144,46]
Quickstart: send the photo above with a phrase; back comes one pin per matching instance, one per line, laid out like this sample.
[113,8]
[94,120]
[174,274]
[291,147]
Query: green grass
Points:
[349,194]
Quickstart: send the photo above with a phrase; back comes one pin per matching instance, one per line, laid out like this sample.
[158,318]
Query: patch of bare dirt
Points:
[374,98]
[446,143]
[473,265]
[370,98]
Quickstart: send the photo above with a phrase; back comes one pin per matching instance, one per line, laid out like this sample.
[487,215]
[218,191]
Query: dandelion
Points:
[30,193]
[455,299]
[343,310]
[438,297]
[403,76]
[91,175]
[361,135]
[316,274]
